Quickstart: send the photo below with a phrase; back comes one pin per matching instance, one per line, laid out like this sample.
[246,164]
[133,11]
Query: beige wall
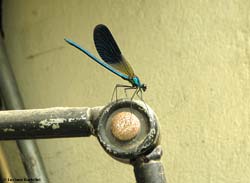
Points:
[193,55]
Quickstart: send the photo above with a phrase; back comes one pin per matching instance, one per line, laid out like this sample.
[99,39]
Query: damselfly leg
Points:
[137,92]
[130,88]
[119,86]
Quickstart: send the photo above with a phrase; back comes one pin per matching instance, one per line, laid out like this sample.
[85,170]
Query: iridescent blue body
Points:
[112,56]
[135,81]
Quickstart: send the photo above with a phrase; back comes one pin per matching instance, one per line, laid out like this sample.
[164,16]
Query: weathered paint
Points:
[54,123]
[8,130]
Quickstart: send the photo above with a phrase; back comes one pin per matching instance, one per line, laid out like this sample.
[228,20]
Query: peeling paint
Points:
[55,126]
[84,117]
[8,130]
[54,123]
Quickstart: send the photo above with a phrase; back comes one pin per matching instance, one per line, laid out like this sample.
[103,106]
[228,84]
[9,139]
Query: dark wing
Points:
[109,50]
[104,64]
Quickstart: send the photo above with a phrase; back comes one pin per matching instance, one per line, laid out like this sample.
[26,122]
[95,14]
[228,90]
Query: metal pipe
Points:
[4,167]
[47,123]
[148,168]
[116,122]
[146,138]
[149,172]
[12,99]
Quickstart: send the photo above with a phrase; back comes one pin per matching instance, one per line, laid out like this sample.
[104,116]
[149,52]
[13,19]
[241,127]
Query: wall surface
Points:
[193,55]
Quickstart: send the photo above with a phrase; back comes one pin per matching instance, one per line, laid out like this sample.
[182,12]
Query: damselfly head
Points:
[143,87]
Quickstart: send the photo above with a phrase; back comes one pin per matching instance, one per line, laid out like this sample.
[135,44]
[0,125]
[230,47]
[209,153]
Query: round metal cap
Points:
[127,129]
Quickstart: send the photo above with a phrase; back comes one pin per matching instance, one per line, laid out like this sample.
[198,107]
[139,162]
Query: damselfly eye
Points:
[144,87]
